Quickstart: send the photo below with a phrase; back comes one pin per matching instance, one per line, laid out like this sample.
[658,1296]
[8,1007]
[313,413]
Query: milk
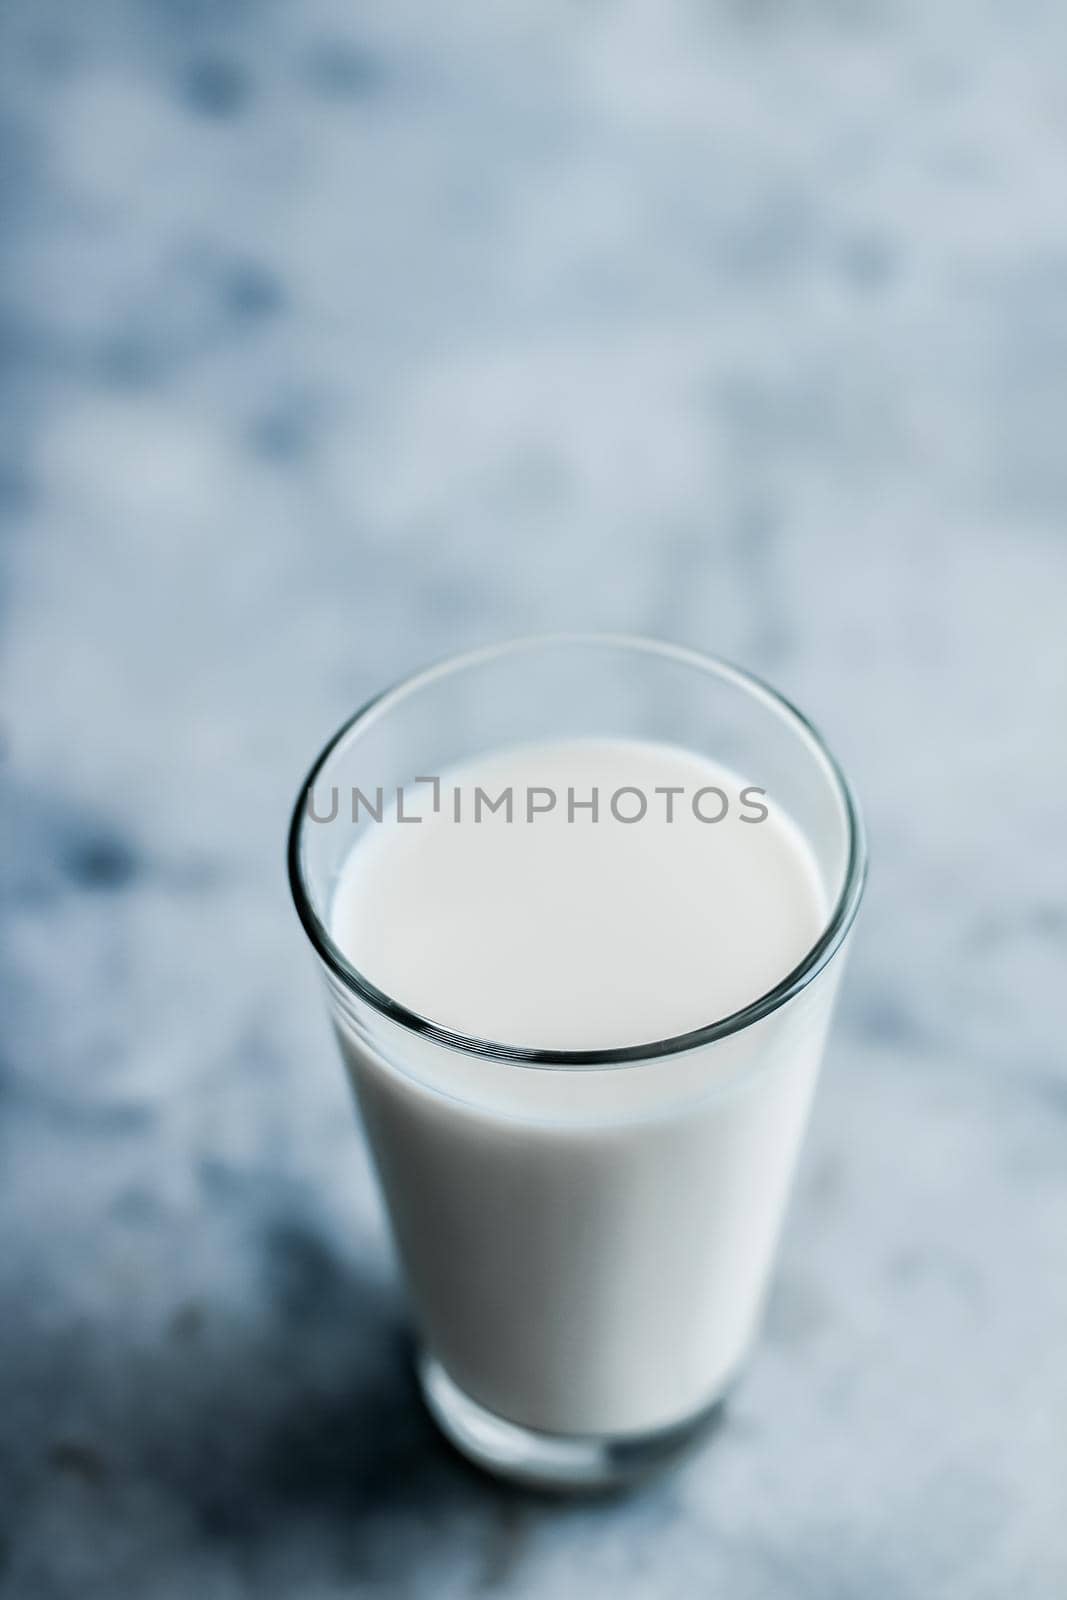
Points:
[587,1247]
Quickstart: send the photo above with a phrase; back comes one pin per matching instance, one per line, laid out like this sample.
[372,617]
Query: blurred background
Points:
[334,338]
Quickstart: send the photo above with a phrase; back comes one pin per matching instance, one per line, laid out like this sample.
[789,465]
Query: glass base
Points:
[558,1461]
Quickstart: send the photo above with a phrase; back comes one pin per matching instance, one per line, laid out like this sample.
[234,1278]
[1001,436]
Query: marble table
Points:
[333,339]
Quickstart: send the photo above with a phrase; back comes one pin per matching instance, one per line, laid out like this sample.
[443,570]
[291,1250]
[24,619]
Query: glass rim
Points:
[818,956]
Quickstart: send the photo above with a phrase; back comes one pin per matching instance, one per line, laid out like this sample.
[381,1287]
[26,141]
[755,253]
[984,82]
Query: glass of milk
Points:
[581,905]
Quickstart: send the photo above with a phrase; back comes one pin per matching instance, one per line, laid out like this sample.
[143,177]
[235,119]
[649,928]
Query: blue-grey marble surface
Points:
[334,338]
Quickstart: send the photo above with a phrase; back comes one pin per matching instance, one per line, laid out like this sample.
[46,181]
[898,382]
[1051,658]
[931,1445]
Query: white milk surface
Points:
[568,933]
[587,1248]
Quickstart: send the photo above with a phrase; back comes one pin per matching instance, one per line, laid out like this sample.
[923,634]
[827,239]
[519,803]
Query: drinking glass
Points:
[586,1235]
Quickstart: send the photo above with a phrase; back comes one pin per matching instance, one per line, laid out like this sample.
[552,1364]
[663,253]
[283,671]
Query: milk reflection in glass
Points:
[587,1247]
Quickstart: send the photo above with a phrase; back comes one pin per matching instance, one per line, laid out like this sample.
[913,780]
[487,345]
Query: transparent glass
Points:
[586,1235]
